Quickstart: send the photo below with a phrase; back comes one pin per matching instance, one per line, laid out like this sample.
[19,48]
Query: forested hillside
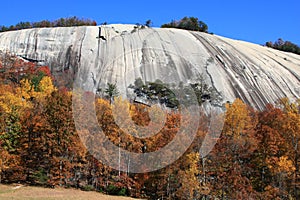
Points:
[257,155]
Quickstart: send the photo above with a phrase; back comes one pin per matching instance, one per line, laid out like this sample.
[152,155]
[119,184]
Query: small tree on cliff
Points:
[111,91]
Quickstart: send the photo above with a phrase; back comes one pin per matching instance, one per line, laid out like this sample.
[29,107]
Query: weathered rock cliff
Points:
[256,74]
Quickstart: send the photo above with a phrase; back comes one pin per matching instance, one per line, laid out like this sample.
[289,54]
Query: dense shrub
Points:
[286,46]
[114,190]
[188,23]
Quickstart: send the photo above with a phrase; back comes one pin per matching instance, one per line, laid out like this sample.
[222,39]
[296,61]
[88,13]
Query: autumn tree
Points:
[271,153]
[255,157]
[291,133]
[229,164]
[189,185]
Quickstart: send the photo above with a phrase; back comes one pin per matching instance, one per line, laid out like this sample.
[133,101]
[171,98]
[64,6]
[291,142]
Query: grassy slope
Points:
[31,193]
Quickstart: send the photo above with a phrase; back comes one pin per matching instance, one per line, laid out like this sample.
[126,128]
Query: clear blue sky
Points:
[256,21]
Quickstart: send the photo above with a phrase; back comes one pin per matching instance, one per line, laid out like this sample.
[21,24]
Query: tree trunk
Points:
[119,161]
[60,173]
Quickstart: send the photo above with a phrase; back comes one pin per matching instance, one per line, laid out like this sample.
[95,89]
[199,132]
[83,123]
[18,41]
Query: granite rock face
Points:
[256,74]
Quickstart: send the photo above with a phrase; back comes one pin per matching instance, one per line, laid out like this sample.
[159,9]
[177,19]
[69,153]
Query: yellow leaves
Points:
[285,164]
[103,102]
[281,165]
[137,119]
[120,109]
[4,157]
[10,100]
[188,176]
[103,109]
[46,87]
[25,90]
[20,97]
[291,128]
[291,122]
[237,118]
[288,106]
[122,112]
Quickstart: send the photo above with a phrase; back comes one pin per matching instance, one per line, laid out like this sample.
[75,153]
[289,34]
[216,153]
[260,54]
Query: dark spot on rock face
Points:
[205,97]
[68,58]
[31,59]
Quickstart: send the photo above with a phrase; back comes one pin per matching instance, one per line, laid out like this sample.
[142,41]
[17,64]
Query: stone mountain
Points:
[236,69]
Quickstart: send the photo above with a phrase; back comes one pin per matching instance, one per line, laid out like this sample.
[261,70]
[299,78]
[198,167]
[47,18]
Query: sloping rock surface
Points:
[256,74]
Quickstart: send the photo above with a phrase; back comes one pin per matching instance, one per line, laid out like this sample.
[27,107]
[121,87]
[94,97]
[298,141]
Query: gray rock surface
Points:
[254,73]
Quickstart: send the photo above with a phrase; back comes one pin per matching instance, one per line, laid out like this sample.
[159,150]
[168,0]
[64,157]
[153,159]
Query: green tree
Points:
[111,91]
[188,23]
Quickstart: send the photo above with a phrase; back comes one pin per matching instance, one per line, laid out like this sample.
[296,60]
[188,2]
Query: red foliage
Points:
[45,70]
[13,69]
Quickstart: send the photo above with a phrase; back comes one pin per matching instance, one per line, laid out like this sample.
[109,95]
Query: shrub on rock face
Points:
[188,23]
[282,45]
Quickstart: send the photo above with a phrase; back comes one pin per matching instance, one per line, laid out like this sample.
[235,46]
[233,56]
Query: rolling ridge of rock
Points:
[258,75]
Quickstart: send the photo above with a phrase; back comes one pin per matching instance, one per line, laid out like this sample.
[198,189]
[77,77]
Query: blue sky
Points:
[255,21]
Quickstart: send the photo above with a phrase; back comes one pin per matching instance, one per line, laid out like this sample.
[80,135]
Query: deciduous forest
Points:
[256,156]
